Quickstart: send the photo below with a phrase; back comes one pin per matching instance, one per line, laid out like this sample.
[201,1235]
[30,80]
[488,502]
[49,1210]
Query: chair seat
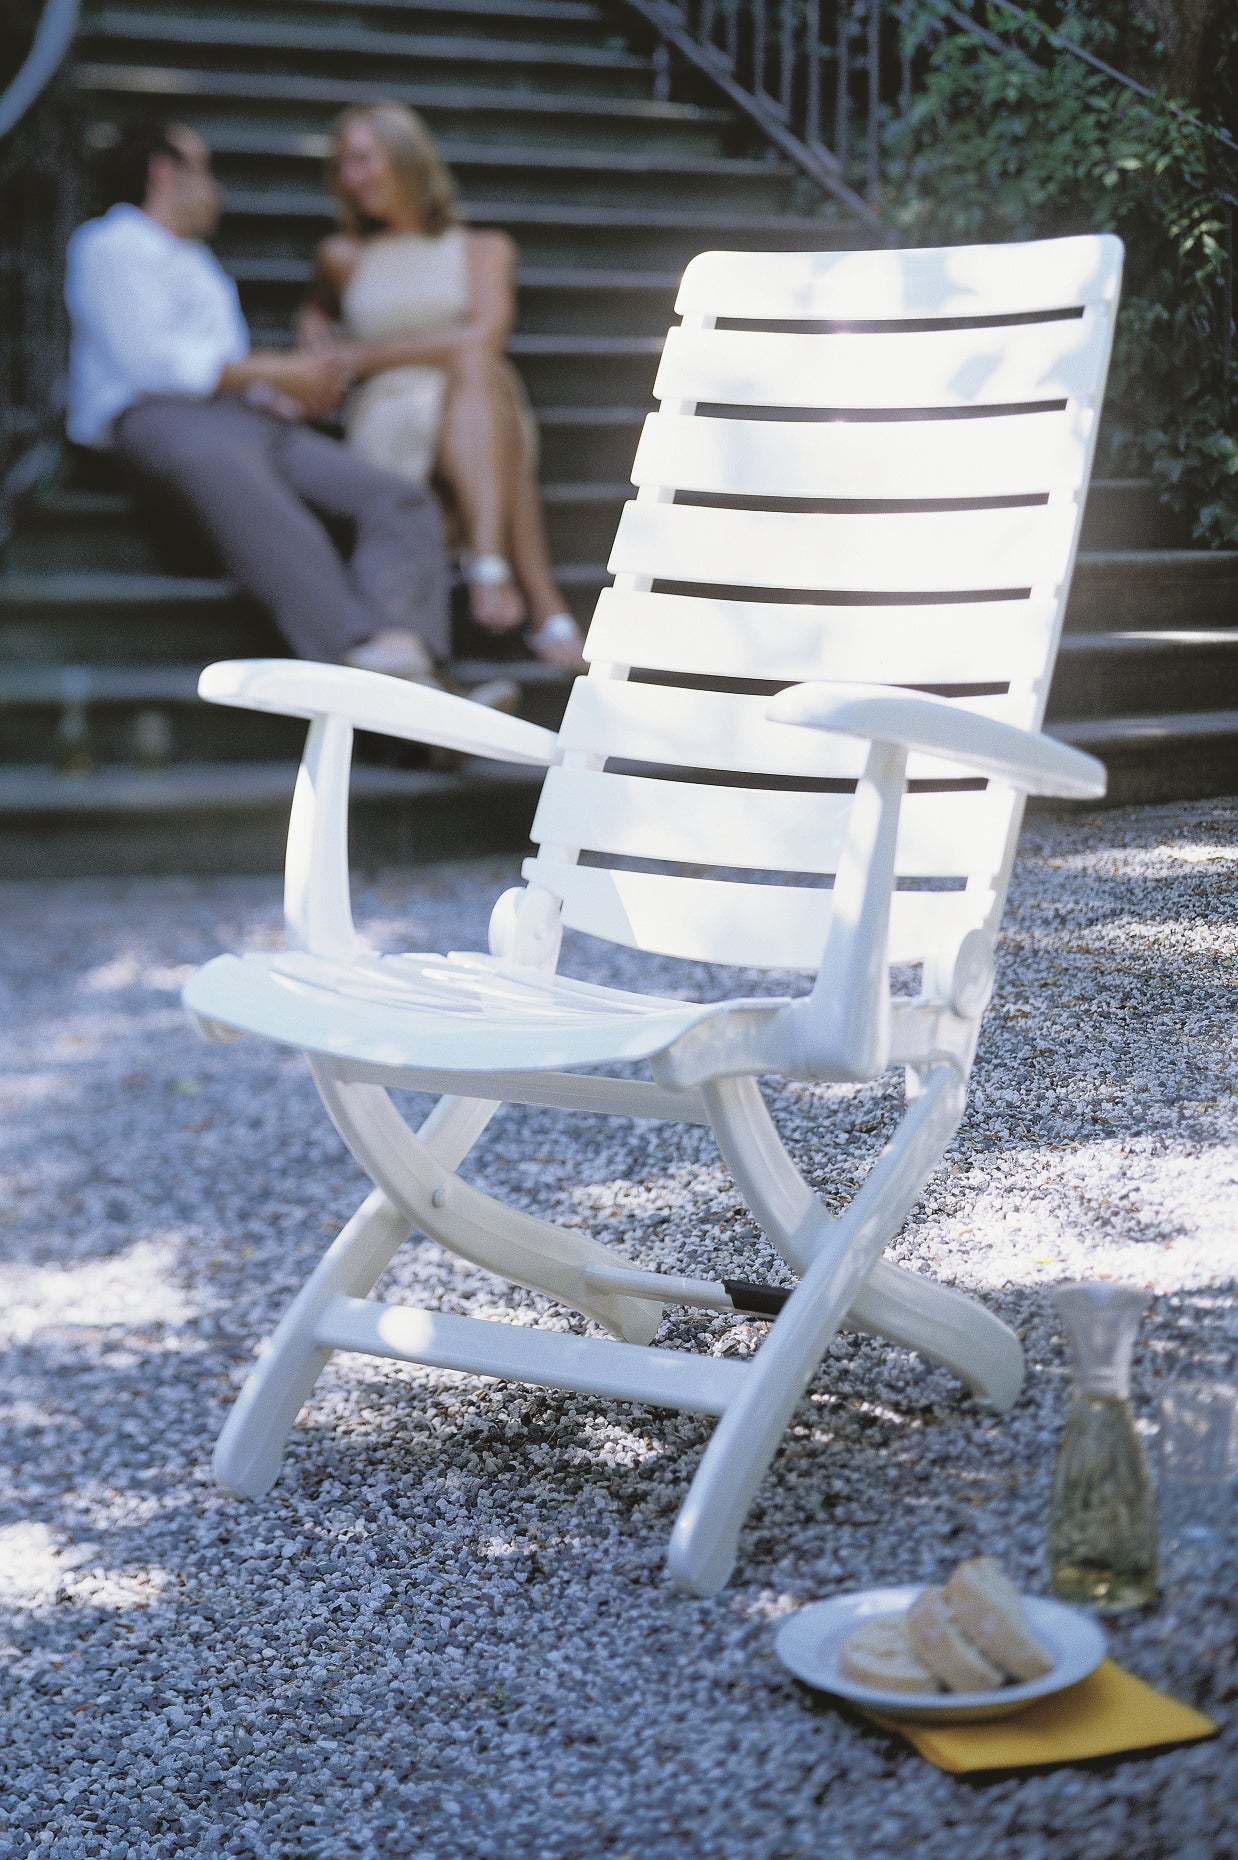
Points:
[454,1013]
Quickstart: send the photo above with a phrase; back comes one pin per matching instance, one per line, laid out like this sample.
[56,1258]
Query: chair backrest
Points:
[866,466]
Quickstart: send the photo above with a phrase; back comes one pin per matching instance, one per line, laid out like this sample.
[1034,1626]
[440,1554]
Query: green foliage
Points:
[1031,142]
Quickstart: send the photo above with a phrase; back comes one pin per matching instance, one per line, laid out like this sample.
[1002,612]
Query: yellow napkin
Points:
[1108,1712]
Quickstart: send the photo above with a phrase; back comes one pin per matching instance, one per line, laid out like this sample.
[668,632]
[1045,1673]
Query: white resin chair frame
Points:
[948,461]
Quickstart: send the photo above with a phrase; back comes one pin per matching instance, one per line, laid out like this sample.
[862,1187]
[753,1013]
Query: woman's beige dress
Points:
[409,284]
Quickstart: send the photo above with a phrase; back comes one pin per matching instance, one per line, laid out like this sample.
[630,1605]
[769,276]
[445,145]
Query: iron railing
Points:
[38,202]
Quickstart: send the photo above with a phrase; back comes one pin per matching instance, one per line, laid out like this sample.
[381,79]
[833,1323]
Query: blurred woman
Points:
[418,308]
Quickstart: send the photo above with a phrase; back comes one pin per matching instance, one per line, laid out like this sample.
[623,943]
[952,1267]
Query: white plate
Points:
[811,1641]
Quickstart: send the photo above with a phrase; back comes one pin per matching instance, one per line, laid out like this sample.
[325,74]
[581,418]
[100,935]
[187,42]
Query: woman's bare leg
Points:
[477,458]
[530,550]
[484,457]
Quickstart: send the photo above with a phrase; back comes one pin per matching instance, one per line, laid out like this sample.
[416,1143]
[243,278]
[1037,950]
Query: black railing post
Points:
[661,72]
[786,59]
[1227,314]
[872,179]
[842,84]
[812,73]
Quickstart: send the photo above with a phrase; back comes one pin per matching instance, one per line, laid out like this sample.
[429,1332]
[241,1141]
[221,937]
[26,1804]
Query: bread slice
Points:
[879,1654]
[945,1650]
[990,1611]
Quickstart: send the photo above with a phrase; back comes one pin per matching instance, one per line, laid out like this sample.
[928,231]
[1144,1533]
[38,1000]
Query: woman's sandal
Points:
[557,641]
[492,574]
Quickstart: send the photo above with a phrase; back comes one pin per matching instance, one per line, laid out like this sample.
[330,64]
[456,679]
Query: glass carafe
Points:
[1102,1518]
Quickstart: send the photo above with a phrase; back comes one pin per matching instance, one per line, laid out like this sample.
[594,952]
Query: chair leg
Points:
[842,1254]
[947,1327]
[939,1323]
[417,1174]
[250,1449]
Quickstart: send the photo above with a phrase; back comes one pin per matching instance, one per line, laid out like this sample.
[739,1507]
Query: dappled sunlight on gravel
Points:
[446,1634]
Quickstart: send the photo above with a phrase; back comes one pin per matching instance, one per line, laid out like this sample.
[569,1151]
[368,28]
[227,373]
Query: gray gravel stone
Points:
[446,1631]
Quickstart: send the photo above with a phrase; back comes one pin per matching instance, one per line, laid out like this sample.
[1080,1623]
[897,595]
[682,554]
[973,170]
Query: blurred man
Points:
[161,373]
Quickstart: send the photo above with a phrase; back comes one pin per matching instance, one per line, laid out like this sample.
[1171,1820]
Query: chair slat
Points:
[894,552]
[687,728]
[928,368]
[953,281]
[972,642]
[1008,455]
[772,830]
[753,926]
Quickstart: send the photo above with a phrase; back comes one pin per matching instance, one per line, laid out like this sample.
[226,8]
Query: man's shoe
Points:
[496,694]
[396,653]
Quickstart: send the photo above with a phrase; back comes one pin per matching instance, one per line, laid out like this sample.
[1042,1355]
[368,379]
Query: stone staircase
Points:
[553,122]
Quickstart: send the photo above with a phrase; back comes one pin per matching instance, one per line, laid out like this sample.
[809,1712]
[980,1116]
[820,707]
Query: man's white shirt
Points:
[151,313]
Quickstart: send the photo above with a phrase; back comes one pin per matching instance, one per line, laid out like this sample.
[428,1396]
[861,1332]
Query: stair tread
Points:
[210,785]
[566,345]
[552,12]
[101,586]
[1215,562]
[301,203]
[277,87]
[587,491]
[44,684]
[263,269]
[312,36]
[178,684]
[315,145]
[1148,639]
[1119,732]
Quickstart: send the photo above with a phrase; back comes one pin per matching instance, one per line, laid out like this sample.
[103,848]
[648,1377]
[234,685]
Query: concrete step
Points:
[1153,589]
[108,533]
[1127,513]
[202,818]
[284,222]
[1170,757]
[473,112]
[589,442]
[99,618]
[255,158]
[360,47]
[564,21]
[125,716]
[553,299]
[122,619]
[1183,669]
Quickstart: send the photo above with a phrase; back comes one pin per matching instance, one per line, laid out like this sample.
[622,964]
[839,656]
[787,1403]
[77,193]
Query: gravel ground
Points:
[446,1631]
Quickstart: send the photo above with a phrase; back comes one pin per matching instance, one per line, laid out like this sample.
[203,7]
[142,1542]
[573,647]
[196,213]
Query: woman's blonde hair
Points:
[415,155]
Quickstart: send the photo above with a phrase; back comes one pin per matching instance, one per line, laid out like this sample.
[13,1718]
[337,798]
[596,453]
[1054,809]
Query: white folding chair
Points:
[869,469]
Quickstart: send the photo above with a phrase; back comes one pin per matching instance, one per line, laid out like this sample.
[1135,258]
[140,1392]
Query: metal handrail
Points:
[53,36]
[749,57]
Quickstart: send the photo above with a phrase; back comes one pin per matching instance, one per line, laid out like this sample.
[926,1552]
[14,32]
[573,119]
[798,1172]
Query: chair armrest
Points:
[883,714]
[371,701]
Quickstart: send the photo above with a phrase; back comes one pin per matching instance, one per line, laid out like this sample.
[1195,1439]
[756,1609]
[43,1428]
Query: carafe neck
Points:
[1101,1322]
